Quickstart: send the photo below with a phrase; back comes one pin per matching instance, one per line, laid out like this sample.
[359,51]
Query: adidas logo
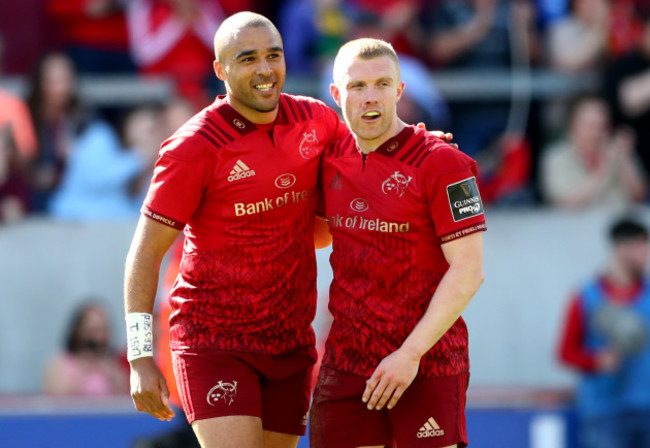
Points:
[335,183]
[240,171]
[430,429]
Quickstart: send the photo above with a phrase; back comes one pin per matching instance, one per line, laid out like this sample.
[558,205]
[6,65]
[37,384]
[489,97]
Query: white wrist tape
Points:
[139,335]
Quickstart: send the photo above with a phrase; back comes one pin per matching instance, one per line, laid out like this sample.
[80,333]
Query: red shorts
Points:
[431,413]
[218,383]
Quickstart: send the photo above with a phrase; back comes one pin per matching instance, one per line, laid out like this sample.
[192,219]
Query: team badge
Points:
[308,147]
[392,147]
[286,180]
[464,199]
[396,184]
[359,205]
[225,392]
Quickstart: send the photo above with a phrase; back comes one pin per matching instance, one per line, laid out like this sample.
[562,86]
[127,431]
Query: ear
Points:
[400,90]
[336,94]
[219,70]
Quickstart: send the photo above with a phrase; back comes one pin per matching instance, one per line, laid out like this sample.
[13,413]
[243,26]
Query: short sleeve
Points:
[455,204]
[335,127]
[177,185]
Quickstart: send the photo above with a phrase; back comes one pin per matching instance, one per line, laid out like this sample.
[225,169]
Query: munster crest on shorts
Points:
[225,392]
[308,144]
[396,184]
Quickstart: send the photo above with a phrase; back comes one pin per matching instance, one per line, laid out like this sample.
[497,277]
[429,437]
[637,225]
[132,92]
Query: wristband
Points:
[139,335]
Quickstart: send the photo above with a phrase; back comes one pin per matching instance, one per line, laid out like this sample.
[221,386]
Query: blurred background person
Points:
[17,146]
[89,366]
[15,118]
[627,84]
[592,32]
[484,36]
[104,174]
[593,165]
[579,41]
[142,132]
[59,119]
[605,340]
[174,38]
[312,32]
[14,185]
[93,34]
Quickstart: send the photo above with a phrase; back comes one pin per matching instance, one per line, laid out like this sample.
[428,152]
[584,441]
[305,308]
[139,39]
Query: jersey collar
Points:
[392,146]
[241,124]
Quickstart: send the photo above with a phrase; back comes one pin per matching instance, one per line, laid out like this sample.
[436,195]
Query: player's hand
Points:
[391,378]
[446,136]
[149,389]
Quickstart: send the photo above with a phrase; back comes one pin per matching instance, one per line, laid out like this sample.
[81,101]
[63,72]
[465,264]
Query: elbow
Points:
[479,279]
[473,281]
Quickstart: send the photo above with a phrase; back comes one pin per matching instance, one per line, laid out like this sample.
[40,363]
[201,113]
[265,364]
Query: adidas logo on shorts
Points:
[240,171]
[430,429]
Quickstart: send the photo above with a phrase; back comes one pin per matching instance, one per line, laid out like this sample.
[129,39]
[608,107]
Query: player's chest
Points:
[283,159]
[373,187]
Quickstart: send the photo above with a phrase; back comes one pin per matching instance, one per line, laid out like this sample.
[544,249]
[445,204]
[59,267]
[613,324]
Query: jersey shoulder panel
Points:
[342,147]
[440,157]
[304,108]
[197,138]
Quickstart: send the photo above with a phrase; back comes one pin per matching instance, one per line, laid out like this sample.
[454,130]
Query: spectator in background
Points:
[578,43]
[17,145]
[605,339]
[14,188]
[93,34]
[592,32]
[58,119]
[593,165]
[627,82]
[479,36]
[313,31]
[100,176]
[174,38]
[143,131]
[89,366]
[399,19]
[15,118]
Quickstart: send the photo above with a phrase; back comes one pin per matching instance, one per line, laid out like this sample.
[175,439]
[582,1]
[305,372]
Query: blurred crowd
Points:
[62,158]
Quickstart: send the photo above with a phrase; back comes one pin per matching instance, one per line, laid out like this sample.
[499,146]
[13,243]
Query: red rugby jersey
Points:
[389,212]
[245,198]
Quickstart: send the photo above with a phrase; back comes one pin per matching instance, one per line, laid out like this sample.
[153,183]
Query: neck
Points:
[368,146]
[252,115]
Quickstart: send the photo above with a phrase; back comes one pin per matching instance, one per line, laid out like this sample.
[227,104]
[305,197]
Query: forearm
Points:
[452,44]
[452,296]
[140,282]
[150,243]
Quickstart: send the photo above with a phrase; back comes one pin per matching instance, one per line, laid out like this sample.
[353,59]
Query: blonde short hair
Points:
[364,48]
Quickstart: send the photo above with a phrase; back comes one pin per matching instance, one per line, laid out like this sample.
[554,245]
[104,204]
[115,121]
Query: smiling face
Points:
[251,64]
[367,90]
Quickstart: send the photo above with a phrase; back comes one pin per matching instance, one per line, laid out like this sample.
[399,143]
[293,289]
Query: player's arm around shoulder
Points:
[151,241]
